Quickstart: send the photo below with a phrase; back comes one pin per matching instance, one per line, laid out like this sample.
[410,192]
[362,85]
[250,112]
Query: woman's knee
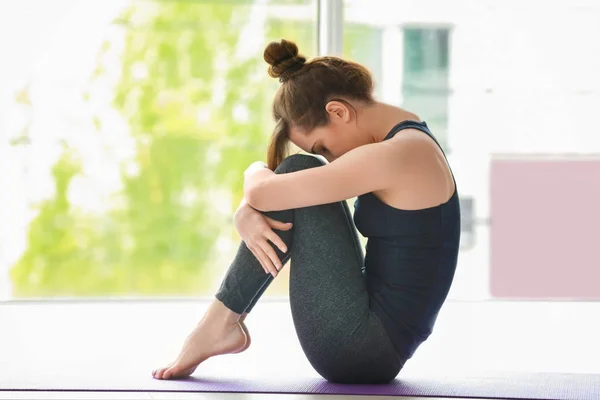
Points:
[297,162]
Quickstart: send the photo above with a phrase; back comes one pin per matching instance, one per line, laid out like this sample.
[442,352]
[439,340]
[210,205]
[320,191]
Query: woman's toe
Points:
[161,373]
[171,372]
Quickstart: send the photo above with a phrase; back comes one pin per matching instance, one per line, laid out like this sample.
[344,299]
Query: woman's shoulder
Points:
[411,144]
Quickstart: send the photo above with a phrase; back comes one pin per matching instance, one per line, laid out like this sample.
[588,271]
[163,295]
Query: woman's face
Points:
[333,140]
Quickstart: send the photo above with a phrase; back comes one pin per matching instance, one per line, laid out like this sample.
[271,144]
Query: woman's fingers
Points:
[281,226]
[261,248]
[260,261]
[265,261]
[266,250]
[276,240]
[272,254]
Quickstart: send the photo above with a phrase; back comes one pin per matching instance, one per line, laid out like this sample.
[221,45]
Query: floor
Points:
[181,396]
[499,336]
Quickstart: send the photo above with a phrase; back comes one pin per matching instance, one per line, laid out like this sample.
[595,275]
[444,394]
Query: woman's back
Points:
[410,259]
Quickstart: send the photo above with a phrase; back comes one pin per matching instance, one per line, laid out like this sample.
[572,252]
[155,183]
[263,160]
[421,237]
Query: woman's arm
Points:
[365,169]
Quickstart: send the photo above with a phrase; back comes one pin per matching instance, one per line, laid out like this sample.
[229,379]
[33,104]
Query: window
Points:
[130,126]
[363,43]
[125,126]
[425,86]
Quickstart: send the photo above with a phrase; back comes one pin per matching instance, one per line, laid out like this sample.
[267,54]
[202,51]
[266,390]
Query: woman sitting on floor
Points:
[358,319]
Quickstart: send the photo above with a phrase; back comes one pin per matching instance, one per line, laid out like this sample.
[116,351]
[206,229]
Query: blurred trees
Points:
[198,109]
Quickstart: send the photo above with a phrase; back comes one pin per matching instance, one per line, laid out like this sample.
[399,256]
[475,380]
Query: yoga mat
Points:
[497,385]
[501,386]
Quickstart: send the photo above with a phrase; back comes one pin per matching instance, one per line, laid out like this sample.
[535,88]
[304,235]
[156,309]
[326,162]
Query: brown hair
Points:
[306,89]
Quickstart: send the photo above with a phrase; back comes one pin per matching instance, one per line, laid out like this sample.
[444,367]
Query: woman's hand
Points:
[256,231]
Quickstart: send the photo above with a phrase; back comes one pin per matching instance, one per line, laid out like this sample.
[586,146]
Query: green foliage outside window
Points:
[160,232]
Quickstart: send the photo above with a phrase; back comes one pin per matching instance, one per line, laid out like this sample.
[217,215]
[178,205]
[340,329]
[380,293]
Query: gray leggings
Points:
[342,338]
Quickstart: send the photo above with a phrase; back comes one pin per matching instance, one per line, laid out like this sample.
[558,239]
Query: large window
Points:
[126,128]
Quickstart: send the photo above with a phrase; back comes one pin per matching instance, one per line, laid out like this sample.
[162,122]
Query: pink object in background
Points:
[545,229]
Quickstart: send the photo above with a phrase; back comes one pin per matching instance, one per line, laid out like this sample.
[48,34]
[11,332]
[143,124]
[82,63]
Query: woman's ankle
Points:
[218,313]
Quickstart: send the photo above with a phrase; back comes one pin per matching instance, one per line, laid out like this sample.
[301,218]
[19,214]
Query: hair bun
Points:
[283,59]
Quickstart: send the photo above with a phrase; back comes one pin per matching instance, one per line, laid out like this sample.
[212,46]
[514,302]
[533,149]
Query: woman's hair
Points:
[306,89]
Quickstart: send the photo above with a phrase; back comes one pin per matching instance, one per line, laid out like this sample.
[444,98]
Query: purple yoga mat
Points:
[500,386]
[489,386]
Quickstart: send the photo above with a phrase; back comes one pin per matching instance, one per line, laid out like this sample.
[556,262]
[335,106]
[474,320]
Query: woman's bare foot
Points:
[211,337]
[248,339]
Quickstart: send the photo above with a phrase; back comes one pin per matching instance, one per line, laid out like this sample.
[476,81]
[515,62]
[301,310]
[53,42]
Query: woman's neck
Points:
[378,119]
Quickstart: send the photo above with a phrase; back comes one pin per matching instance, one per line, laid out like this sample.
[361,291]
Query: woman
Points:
[358,319]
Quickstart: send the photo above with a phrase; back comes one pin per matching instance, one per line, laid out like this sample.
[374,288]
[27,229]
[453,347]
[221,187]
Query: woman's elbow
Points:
[254,198]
